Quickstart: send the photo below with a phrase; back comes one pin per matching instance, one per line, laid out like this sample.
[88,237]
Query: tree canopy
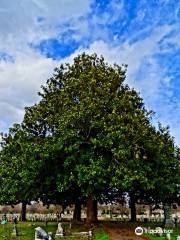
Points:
[90,132]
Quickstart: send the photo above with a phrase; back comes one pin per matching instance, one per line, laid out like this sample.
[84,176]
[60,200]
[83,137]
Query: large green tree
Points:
[92,116]
[90,132]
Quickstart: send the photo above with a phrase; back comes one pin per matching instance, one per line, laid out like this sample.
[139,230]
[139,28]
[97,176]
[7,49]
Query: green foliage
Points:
[17,168]
[166,167]
[90,132]
[98,119]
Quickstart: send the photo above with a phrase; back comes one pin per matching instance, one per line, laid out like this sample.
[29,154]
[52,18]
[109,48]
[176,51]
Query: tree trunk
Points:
[91,211]
[133,207]
[77,212]
[23,212]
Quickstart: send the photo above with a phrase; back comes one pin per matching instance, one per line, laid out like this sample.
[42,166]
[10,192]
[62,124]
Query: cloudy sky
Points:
[36,35]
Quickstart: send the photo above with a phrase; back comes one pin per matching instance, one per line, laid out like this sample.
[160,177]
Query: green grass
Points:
[175,233]
[100,234]
[132,226]
[26,231]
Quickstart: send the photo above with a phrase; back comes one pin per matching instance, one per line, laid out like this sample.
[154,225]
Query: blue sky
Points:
[37,35]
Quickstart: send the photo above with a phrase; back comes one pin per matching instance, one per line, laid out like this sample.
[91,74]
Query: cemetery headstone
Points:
[168,236]
[90,233]
[167,214]
[14,231]
[41,234]
[159,232]
[59,231]
[178,237]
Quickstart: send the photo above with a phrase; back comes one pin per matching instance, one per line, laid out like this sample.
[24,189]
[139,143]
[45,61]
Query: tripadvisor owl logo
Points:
[139,231]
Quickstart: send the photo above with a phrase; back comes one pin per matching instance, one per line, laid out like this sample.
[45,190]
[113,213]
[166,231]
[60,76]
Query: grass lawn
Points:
[132,227]
[100,234]
[26,231]
[175,233]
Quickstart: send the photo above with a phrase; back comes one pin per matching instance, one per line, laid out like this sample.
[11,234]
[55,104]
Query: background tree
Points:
[166,170]
[19,178]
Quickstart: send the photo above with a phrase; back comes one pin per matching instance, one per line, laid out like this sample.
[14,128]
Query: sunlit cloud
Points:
[37,36]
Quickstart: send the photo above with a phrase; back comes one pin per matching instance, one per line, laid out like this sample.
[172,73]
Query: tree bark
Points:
[133,207]
[23,212]
[77,212]
[91,211]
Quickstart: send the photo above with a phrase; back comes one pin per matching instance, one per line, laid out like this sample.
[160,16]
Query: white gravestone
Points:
[159,232]
[168,236]
[14,232]
[41,234]
[59,231]
[167,215]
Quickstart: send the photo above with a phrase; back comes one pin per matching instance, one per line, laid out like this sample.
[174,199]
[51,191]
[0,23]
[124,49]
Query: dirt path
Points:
[122,233]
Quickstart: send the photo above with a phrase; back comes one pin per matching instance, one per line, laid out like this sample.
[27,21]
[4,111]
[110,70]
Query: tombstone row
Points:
[41,234]
[34,217]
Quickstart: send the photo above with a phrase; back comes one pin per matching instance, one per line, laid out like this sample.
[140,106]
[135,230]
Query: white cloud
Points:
[144,72]
[19,83]
[34,20]
[23,22]
[131,54]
